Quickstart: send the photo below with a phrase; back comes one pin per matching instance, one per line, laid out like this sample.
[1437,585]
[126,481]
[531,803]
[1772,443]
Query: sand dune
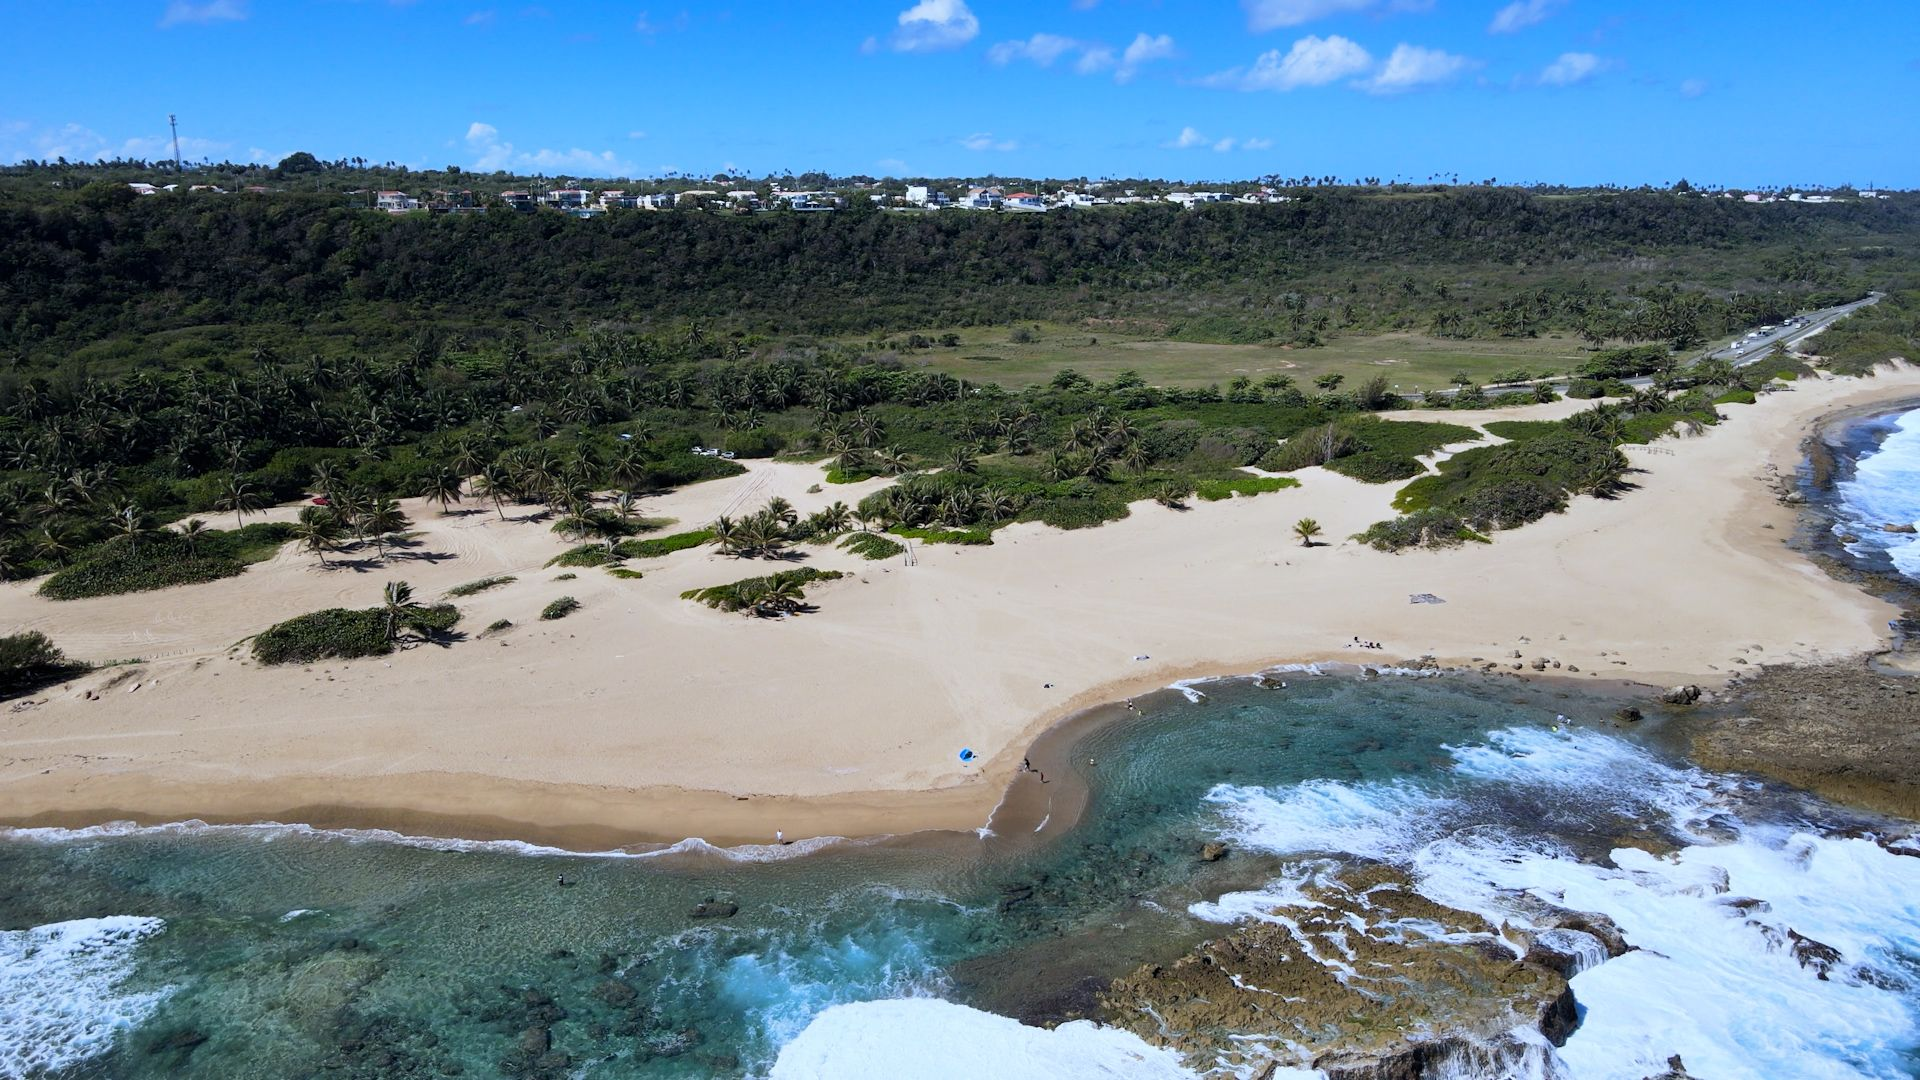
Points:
[645,716]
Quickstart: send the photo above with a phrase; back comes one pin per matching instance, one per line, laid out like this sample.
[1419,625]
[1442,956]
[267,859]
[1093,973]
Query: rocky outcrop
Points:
[711,908]
[1681,695]
[1368,998]
[1844,730]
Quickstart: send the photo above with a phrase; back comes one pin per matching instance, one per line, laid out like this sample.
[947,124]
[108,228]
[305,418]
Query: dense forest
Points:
[102,275]
[179,354]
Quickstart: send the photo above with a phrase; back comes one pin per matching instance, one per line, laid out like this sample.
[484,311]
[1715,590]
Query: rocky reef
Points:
[1363,978]
[1848,730]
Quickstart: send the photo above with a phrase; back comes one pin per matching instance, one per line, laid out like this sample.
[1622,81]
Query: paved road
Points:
[1746,351]
[1741,351]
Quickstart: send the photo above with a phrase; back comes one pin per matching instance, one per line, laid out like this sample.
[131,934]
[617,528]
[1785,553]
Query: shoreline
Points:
[786,727]
[632,822]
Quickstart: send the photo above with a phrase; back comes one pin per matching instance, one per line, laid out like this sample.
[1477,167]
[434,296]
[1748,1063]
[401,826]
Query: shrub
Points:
[584,555]
[1432,527]
[663,545]
[869,545]
[560,608]
[623,572]
[472,587]
[31,659]
[1216,490]
[334,633]
[164,561]
[1375,468]
[565,577]
[1515,430]
[1735,397]
[1627,363]
[1584,389]
[775,594]
[498,625]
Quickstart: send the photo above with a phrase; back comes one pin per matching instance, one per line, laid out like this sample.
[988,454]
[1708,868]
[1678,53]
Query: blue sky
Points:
[1577,91]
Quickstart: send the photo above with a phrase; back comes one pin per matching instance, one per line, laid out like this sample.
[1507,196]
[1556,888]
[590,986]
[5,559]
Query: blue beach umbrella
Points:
[966,754]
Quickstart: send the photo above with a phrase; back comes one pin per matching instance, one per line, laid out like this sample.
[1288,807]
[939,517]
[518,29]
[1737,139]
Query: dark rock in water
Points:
[1014,895]
[714,909]
[1559,1018]
[1898,528]
[616,993]
[1676,1070]
[1813,955]
[173,1048]
[535,1041]
[1214,851]
[1630,715]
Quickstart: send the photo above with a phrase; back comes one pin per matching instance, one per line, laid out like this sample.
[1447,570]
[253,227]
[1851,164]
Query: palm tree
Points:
[129,524]
[834,518]
[466,458]
[192,531]
[400,607]
[963,460]
[54,544]
[326,477]
[238,496]
[443,487]
[318,530]
[1306,529]
[891,460]
[383,519]
[491,483]
[724,529]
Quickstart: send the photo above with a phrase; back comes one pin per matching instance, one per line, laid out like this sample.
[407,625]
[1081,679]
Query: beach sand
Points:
[645,717]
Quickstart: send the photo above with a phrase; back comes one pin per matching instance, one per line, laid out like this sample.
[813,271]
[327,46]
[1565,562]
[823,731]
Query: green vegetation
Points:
[1522,429]
[1871,335]
[625,573]
[345,633]
[164,559]
[1503,487]
[473,587]
[869,545]
[584,555]
[1306,529]
[779,593]
[498,625]
[560,608]
[336,633]
[1738,396]
[179,355]
[30,660]
[1215,490]
[656,547]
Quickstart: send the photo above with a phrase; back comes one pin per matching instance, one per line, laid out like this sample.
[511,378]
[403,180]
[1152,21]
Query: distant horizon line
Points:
[1450,179]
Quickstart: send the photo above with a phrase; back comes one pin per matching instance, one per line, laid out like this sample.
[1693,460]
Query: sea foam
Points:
[60,996]
[274,830]
[1885,490]
[930,1039]
[1715,978]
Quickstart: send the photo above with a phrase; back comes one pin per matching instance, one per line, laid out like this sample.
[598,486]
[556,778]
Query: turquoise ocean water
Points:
[281,952]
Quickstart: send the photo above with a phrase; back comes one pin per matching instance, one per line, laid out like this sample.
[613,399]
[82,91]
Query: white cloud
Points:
[636,134]
[1187,139]
[76,142]
[212,11]
[932,25]
[1571,68]
[1223,146]
[1097,58]
[1042,49]
[984,140]
[1258,142]
[1521,14]
[1145,49]
[1312,61]
[1264,15]
[1412,66]
[491,153]
[893,166]
[648,25]
[479,18]
[1094,56]
[1693,88]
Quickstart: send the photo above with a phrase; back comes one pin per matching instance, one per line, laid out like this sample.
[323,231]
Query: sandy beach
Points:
[645,717]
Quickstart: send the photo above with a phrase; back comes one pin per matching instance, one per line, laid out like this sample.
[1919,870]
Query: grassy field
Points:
[1411,361]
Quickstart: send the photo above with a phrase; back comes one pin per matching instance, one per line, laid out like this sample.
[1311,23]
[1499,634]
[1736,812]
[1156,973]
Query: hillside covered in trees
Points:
[102,276]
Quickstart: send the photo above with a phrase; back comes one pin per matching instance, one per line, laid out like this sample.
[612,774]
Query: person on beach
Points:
[779,836]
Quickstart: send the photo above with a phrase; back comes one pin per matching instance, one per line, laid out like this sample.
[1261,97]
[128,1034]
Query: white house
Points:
[1024,200]
[395,202]
[924,195]
[617,200]
[565,198]
[144,189]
